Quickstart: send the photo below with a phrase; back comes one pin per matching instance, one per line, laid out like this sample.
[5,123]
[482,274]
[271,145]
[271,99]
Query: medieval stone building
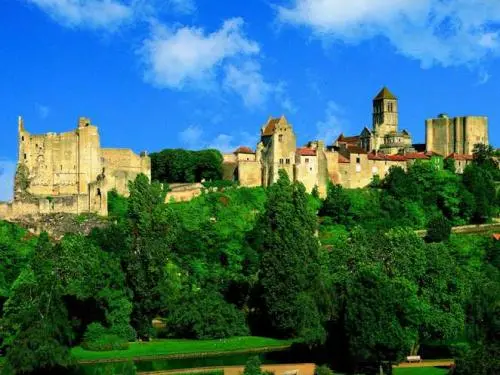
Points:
[353,161]
[69,172]
[457,135]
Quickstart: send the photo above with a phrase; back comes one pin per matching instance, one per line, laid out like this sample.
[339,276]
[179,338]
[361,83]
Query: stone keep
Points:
[70,172]
[457,135]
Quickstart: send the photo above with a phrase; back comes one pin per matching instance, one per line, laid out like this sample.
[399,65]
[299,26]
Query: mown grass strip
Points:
[181,349]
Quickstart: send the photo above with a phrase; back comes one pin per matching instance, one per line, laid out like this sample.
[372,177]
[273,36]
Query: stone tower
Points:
[385,113]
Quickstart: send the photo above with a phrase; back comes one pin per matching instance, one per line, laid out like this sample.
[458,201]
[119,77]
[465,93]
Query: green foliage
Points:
[151,232]
[449,165]
[99,338]
[337,205]
[252,367]
[323,370]
[117,205]
[480,183]
[289,269]
[205,315]
[438,229]
[177,165]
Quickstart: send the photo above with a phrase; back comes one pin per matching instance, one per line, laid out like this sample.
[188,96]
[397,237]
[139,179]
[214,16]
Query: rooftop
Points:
[385,94]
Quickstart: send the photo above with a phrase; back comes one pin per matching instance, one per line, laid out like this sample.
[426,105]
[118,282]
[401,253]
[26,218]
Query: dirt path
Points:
[303,369]
[430,363]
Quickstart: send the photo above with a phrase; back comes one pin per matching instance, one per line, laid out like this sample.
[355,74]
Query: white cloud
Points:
[248,82]
[444,32]
[7,172]
[282,98]
[183,6]
[43,110]
[332,125]
[191,136]
[188,55]
[93,14]
[195,138]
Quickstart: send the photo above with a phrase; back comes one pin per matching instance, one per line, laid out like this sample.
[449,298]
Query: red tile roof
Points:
[244,150]
[349,140]
[343,159]
[376,156]
[416,155]
[306,151]
[270,127]
[496,236]
[456,156]
[395,157]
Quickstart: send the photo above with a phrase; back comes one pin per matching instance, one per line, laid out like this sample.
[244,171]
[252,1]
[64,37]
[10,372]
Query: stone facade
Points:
[445,135]
[353,161]
[69,172]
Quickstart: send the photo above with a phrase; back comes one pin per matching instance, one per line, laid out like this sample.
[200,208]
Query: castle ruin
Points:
[69,172]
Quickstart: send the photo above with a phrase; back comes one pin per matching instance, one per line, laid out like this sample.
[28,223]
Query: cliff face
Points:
[59,224]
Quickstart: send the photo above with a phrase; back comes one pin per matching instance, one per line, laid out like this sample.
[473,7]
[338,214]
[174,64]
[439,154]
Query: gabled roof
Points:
[270,126]
[456,156]
[348,140]
[366,130]
[306,151]
[244,150]
[385,94]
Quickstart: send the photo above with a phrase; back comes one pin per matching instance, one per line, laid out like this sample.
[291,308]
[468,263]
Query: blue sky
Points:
[154,74]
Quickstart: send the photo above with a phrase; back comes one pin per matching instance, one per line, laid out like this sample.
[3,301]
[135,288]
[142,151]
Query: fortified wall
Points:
[69,172]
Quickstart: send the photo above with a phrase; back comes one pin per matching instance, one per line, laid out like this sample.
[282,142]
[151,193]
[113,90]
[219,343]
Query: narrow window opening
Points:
[280,138]
[307,160]
[24,156]
[358,160]
[22,138]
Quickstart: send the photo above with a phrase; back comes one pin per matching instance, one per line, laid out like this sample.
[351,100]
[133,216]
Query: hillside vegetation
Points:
[346,276]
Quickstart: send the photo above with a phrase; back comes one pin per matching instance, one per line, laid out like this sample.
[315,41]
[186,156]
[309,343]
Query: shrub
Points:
[252,367]
[323,370]
[205,315]
[106,343]
[99,338]
[438,229]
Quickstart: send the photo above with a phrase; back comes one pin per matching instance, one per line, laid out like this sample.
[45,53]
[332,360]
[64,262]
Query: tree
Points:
[152,230]
[438,229]
[479,182]
[289,275]
[35,325]
[336,205]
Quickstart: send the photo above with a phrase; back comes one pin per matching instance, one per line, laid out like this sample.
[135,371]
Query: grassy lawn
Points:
[176,347]
[420,371]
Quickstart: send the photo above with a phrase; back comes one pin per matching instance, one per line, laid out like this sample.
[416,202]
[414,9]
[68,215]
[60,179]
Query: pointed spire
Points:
[385,94]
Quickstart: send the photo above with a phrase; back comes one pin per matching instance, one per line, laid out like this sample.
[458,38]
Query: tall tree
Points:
[289,269]
[151,233]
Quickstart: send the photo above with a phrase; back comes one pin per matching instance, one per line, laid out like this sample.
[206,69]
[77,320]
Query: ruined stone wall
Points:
[445,135]
[183,192]
[65,173]
[123,165]
[249,173]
